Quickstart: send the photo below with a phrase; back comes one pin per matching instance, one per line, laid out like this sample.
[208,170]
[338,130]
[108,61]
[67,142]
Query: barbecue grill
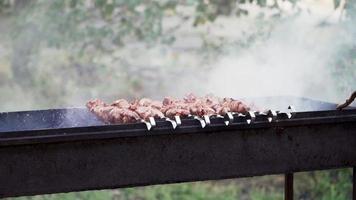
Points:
[64,150]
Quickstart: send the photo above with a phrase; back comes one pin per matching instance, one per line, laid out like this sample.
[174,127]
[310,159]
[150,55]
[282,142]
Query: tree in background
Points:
[88,29]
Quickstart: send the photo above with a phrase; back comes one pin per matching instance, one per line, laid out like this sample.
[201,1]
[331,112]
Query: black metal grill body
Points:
[62,157]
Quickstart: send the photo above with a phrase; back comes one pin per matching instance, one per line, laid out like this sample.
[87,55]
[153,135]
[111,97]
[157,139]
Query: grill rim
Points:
[189,126]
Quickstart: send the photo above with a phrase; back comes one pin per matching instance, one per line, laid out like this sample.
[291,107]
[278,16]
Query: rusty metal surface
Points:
[39,168]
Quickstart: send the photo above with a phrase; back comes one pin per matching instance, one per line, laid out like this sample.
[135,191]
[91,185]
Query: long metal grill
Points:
[65,150]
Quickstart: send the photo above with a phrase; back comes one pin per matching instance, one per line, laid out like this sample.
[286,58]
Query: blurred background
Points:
[56,54]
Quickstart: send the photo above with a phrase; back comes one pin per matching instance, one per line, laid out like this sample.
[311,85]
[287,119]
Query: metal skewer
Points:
[230,117]
[173,123]
[207,119]
[272,115]
[148,125]
[152,121]
[178,120]
[291,112]
[252,117]
[202,122]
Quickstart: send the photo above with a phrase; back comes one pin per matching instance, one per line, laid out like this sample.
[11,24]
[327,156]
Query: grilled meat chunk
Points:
[200,108]
[173,107]
[146,112]
[235,105]
[102,111]
[190,98]
[149,102]
[177,112]
[94,103]
[123,115]
[121,103]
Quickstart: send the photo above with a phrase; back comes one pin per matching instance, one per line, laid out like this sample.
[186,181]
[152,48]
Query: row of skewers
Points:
[172,110]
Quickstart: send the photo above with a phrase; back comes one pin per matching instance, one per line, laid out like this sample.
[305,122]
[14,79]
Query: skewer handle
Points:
[347,102]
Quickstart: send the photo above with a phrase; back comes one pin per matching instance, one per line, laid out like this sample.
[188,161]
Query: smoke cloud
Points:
[298,58]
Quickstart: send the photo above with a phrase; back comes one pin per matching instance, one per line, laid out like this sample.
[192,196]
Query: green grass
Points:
[187,191]
[197,191]
[263,194]
[324,185]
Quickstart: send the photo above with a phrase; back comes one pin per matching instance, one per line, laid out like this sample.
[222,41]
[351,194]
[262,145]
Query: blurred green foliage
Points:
[188,191]
[262,194]
[86,30]
[194,191]
[108,24]
[324,185]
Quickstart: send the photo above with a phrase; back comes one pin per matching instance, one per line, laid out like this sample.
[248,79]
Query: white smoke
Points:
[298,58]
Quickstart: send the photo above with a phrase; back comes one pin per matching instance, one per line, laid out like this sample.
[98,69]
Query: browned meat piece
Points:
[144,102]
[157,113]
[147,108]
[130,116]
[133,105]
[238,106]
[100,109]
[147,112]
[211,100]
[235,105]
[103,112]
[190,98]
[172,107]
[156,104]
[164,109]
[206,110]
[168,101]
[149,102]
[200,109]
[123,115]
[177,112]
[121,103]
[199,106]
[228,105]
[221,110]
[94,103]
[116,113]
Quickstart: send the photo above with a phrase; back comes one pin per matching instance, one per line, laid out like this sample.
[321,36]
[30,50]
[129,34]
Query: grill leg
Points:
[288,186]
[354,183]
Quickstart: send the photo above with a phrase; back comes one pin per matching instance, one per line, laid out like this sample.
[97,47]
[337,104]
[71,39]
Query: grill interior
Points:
[81,117]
